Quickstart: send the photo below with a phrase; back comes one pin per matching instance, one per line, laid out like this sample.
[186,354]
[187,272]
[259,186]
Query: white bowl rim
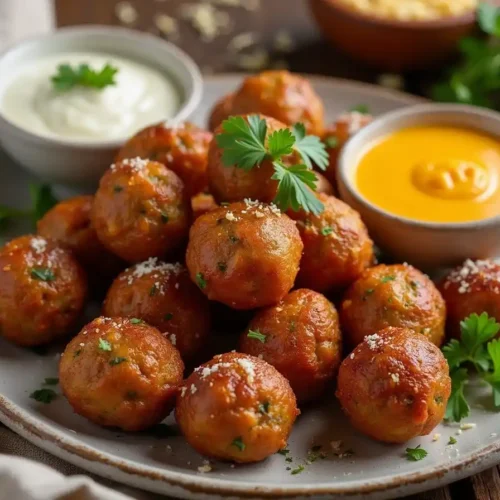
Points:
[417,110]
[189,105]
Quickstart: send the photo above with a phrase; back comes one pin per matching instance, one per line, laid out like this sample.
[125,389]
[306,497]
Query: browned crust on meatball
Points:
[473,287]
[245,255]
[236,407]
[202,203]
[397,295]
[301,340]
[118,373]
[43,291]
[141,210]
[394,386]
[222,110]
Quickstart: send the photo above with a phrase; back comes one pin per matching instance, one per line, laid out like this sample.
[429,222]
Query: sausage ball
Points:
[68,223]
[337,247]
[335,137]
[121,373]
[221,111]
[202,203]
[280,94]
[394,386]
[182,148]
[235,184]
[471,288]
[236,407]
[42,291]
[164,296]
[141,210]
[397,295]
[300,337]
[245,255]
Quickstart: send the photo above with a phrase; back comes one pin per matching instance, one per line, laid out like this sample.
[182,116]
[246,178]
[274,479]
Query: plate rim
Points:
[45,436]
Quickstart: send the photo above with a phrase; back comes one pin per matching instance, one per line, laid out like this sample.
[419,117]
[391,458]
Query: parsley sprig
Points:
[415,454]
[246,144]
[83,75]
[477,348]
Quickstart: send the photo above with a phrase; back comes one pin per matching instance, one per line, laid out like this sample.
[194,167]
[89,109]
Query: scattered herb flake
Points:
[200,280]
[104,345]
[44,396]
[331,142]
[326,231]
[284,452]
[42,274]
[238,443]
[136,321]
[116,361]
[117,189]
[153,290]
[364,109]
[264,407]
[255,334]
[297,470]
[452,440]
[222,267]
[388,278]
[415,454]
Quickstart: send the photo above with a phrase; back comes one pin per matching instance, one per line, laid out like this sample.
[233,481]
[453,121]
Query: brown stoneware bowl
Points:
[390,44]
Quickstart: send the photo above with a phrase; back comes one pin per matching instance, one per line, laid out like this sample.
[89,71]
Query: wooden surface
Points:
[310,55]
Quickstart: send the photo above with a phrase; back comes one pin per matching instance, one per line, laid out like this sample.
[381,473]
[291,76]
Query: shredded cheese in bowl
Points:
[412,10]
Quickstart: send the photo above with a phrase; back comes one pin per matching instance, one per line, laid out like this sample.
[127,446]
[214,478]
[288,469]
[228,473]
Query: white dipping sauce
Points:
[140,97]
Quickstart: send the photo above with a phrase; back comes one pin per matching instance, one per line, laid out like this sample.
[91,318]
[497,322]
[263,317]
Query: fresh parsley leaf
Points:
[452,440]
[310,148]
[200,280]
[238,443]
[331,142]
[455,353]
[326,231]
[298,470]
[44,396]
[293,189]
[42,274]
[494,378]
[42,199]
[284,452]
[116,361]
[104,345]
[280,143]
[457,408]
[364,109]
[415,454]
[243,142]
[83,75]
[488,17]
[257,336]
[51,381]
[136,321]
[477,330]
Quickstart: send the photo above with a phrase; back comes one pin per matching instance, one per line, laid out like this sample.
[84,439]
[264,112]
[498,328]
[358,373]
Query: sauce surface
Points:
[433,173]
[141,96]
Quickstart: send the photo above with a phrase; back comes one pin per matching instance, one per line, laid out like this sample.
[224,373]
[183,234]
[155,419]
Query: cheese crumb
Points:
[395,378]
[39,245]
[194,389]
[126,12]
[371,340]
[249,368]
[204,468]
[167,25]
[466,427]
[436,436]
[173,339]
[230,216]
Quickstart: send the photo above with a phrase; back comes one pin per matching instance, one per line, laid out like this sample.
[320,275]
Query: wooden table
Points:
[310,55]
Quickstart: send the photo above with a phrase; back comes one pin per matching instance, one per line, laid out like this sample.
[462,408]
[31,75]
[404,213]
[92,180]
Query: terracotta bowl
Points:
[390,44]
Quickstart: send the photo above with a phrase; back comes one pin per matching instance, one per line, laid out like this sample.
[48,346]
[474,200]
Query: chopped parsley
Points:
[326,231]
[284,452]
[388,278]
[238,443]
[364,109]
[452,440]
[164,217]
[117,189]
[153,290]
[42,274]
[51,381]
[367,293]
[331,142]
[168,316]
[44,396]
[104,345]
[415,454]
[222,267]
[136,321]
[200,280]
[255,334]
[116,361]
[297,470]
[264,407]
[233,239]
[77,353]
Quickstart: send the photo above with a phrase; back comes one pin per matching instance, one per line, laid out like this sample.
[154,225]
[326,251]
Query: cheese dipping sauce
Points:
[140,97]
[433,173]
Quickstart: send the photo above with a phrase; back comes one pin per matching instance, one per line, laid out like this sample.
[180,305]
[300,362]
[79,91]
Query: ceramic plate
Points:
[167,465]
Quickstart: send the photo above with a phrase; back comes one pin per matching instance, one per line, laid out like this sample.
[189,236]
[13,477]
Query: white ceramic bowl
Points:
[425,244]
[82,163]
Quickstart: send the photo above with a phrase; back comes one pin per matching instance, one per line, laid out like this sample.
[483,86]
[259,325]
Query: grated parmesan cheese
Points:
[167,25]
[249,369]
[38,244]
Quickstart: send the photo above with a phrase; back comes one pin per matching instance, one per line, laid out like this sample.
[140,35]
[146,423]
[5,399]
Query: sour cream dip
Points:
[140,97]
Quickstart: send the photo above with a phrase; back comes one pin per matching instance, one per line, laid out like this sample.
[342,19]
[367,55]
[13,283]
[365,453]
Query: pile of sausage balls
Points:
[171,231]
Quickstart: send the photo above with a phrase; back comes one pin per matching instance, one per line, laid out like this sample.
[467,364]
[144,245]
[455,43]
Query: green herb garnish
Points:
[104,345]
[153,290]
[222,267]
[200,280]
[298,470]
[452,440]
[238,442]
[44,396]
[415,454]
[331,142]
[386,279]
[264,407]
[478,348]
[364,109]
[116,361]
[326,231]
[42,274]
[255,334]
[136,321]
[246,144]
[284,452]
[51,381]
[83,75]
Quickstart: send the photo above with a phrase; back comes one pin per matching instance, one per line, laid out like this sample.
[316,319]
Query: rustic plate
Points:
[167,465]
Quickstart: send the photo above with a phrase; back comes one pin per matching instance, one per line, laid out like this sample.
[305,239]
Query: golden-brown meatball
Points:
[394,386]
[121,373]
[245,255]
[236,407]
[42,291]
[335,137]
[202,203]
[182,148]
[279,94]
[471,288]
[141,210]
[300,337]
[221,111]
[323,185]
[164,296]
[337,248]
[235,184]
[68,224]
[397,295]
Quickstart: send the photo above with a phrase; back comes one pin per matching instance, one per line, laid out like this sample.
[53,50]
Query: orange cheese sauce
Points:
[433,173]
